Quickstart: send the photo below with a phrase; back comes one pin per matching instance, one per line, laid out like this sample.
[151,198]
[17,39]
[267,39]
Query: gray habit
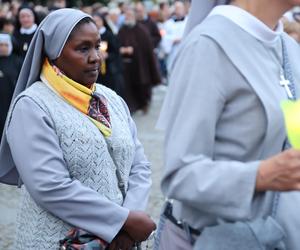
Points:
[49,39]
[222,117]
[29,122]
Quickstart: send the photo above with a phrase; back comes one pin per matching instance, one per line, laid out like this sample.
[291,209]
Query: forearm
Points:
[223,188]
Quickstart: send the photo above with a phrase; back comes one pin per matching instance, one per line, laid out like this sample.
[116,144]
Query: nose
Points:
[95,56]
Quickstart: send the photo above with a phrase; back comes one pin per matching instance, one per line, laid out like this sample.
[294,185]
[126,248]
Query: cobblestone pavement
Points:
[150,138]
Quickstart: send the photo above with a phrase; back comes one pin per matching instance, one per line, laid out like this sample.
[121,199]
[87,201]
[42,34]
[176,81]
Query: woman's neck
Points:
[268,11]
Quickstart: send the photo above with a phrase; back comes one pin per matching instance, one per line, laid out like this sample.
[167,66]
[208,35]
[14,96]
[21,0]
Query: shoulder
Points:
[28,102]
[37,93]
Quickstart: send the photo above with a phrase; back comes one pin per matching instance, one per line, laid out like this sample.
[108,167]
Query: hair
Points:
[85,20]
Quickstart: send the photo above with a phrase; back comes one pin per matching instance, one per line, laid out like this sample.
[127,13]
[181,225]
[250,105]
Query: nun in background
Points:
[224,127]
[26,26]
[10,67]
[70,143]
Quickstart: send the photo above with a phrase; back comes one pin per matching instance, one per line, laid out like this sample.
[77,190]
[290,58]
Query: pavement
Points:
[152,141]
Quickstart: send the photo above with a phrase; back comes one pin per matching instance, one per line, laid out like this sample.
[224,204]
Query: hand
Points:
[122,50]
[139,226]
[121,241]
[280,172]
[126,50]
[130,50]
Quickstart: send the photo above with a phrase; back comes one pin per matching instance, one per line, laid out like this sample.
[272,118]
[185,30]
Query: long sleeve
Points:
[139,183]
[193,175]
[39,160]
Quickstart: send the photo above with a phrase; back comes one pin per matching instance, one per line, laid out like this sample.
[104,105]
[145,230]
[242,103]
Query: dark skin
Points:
[80,60]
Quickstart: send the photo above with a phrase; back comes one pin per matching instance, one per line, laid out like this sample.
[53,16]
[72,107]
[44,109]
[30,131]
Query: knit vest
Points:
[87,158]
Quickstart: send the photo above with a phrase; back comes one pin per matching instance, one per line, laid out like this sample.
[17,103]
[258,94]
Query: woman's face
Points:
[80,58]
[4,49]
[26,18]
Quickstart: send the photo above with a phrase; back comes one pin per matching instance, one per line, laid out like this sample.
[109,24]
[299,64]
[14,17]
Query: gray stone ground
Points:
[152,141]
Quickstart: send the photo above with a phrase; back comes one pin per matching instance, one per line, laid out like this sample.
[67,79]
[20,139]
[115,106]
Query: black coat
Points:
[21,43]
[113,77]
[153,30]
[9,70]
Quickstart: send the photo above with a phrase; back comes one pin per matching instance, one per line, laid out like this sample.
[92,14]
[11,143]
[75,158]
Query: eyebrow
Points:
[82,41]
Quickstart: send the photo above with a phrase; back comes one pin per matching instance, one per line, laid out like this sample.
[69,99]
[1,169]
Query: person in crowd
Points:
[122,6]
[112,19]
[140,68]
[111,74]
[227,157]
[25,28]
[57,4]
[7,25]
[164,15]
[293,29]
[10,66]
[71,144]
[150,26]
[174,29]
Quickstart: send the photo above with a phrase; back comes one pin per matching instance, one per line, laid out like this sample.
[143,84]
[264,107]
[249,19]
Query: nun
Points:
[71,145]
[10,66]
[26,25]
[227,157]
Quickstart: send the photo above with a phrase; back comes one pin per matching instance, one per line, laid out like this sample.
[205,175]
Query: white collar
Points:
[249,23]
[102,30]
[28,31]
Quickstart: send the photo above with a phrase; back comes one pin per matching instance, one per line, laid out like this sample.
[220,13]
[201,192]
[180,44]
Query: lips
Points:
[92,70]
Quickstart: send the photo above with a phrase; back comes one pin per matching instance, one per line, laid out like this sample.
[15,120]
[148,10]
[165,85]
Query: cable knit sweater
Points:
[87,159]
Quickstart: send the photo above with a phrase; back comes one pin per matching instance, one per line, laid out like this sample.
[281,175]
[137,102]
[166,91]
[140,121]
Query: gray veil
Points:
[49,40]
[198,12]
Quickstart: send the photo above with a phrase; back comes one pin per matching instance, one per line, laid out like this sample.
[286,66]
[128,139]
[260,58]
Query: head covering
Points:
[5,38]
[49,41]
[199,10]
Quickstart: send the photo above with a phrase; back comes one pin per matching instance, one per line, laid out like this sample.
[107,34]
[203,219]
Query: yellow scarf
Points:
[79,96]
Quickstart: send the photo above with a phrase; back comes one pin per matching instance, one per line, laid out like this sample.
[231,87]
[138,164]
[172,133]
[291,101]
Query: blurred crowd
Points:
[139,43]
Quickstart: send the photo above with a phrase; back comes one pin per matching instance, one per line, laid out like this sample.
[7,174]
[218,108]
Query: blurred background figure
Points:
[293,29]
[7,25]
[112,19]
[57,4]
[9,70]
[110,73]
[143,18]
[291,21]
[163,17]
[25,28]
[140,68]
[174,29]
